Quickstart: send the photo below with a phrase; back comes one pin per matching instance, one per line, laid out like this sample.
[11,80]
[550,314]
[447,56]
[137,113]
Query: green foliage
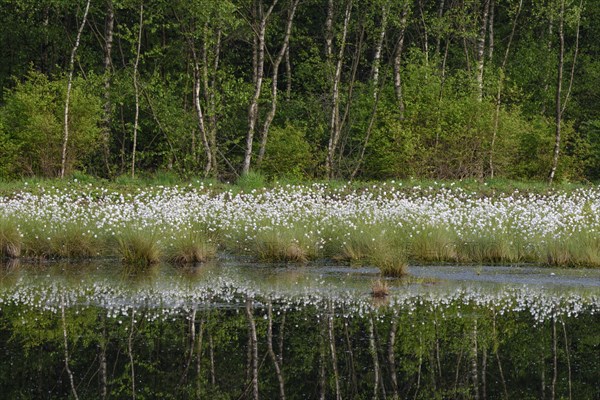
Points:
[251,181]
[33,124]
[288,154]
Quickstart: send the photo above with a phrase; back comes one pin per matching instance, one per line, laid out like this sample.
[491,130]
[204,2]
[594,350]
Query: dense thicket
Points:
[301,88]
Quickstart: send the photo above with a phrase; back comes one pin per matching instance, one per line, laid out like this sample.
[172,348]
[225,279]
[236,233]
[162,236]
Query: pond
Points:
[231,330]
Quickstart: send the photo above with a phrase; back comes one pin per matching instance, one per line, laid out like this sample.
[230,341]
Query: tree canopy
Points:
[301,88]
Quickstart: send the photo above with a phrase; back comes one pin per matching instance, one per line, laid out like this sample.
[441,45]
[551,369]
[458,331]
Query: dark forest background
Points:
[365,89]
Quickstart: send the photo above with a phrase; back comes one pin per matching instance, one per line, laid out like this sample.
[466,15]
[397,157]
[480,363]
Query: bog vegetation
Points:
[301,89]
[385,225]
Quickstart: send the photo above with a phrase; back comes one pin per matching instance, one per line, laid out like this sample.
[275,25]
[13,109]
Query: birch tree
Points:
[261,17]
[334,121]
[69,87]
[274,79]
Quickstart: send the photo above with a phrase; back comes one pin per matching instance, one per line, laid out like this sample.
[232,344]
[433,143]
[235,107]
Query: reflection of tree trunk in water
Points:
[437,349]
[375,358]
[199,358]
[272,352]
[211,353]
[351,356]
[483,372]
[281,331]
[474,364]
[191,351]
[555,359]
[65,336]
[254,347]
[496,345]
[568,357]
[322,381]
[543,364]
[392,358]
[420,367]
[460,355]
[103,365]
[333,352]
[130,352]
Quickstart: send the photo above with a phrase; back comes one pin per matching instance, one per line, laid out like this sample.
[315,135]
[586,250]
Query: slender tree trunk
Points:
[440,14]
[274,79]
[137,90]
[200,79]
[106,118]
[211,101]
[288,75]
[69,86]
[491,30]
[334,124]
[345,117]
[260,62]
[559,79]
[501,87]
[481,48]
[425,33]
[398,62]
[329,33]
[378,49]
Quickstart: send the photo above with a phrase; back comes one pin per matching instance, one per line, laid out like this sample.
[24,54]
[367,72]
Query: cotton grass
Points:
[381,226]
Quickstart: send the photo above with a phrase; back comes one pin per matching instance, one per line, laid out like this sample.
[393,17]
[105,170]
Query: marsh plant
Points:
[385,226]
[190,247]
[10,239]
[139,247]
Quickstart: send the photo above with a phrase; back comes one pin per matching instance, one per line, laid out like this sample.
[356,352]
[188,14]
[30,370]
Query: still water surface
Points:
[235,331]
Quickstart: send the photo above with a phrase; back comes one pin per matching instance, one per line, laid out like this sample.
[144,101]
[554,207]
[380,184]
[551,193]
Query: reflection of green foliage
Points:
[434,345]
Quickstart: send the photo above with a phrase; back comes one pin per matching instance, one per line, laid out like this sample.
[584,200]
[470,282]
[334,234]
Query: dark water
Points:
[233,331]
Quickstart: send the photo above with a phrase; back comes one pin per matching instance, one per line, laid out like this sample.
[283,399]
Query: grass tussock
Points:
[10,239]
[138,248]
[580,249]
[191,248]
[283,245]
[391,261]
[490,249]
[433,244]
[74,241]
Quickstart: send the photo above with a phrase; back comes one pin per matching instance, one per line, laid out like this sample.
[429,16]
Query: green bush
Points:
[33,126]
[288,154]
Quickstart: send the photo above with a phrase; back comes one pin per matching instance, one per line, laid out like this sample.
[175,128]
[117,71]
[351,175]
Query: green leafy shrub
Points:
[33,119]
